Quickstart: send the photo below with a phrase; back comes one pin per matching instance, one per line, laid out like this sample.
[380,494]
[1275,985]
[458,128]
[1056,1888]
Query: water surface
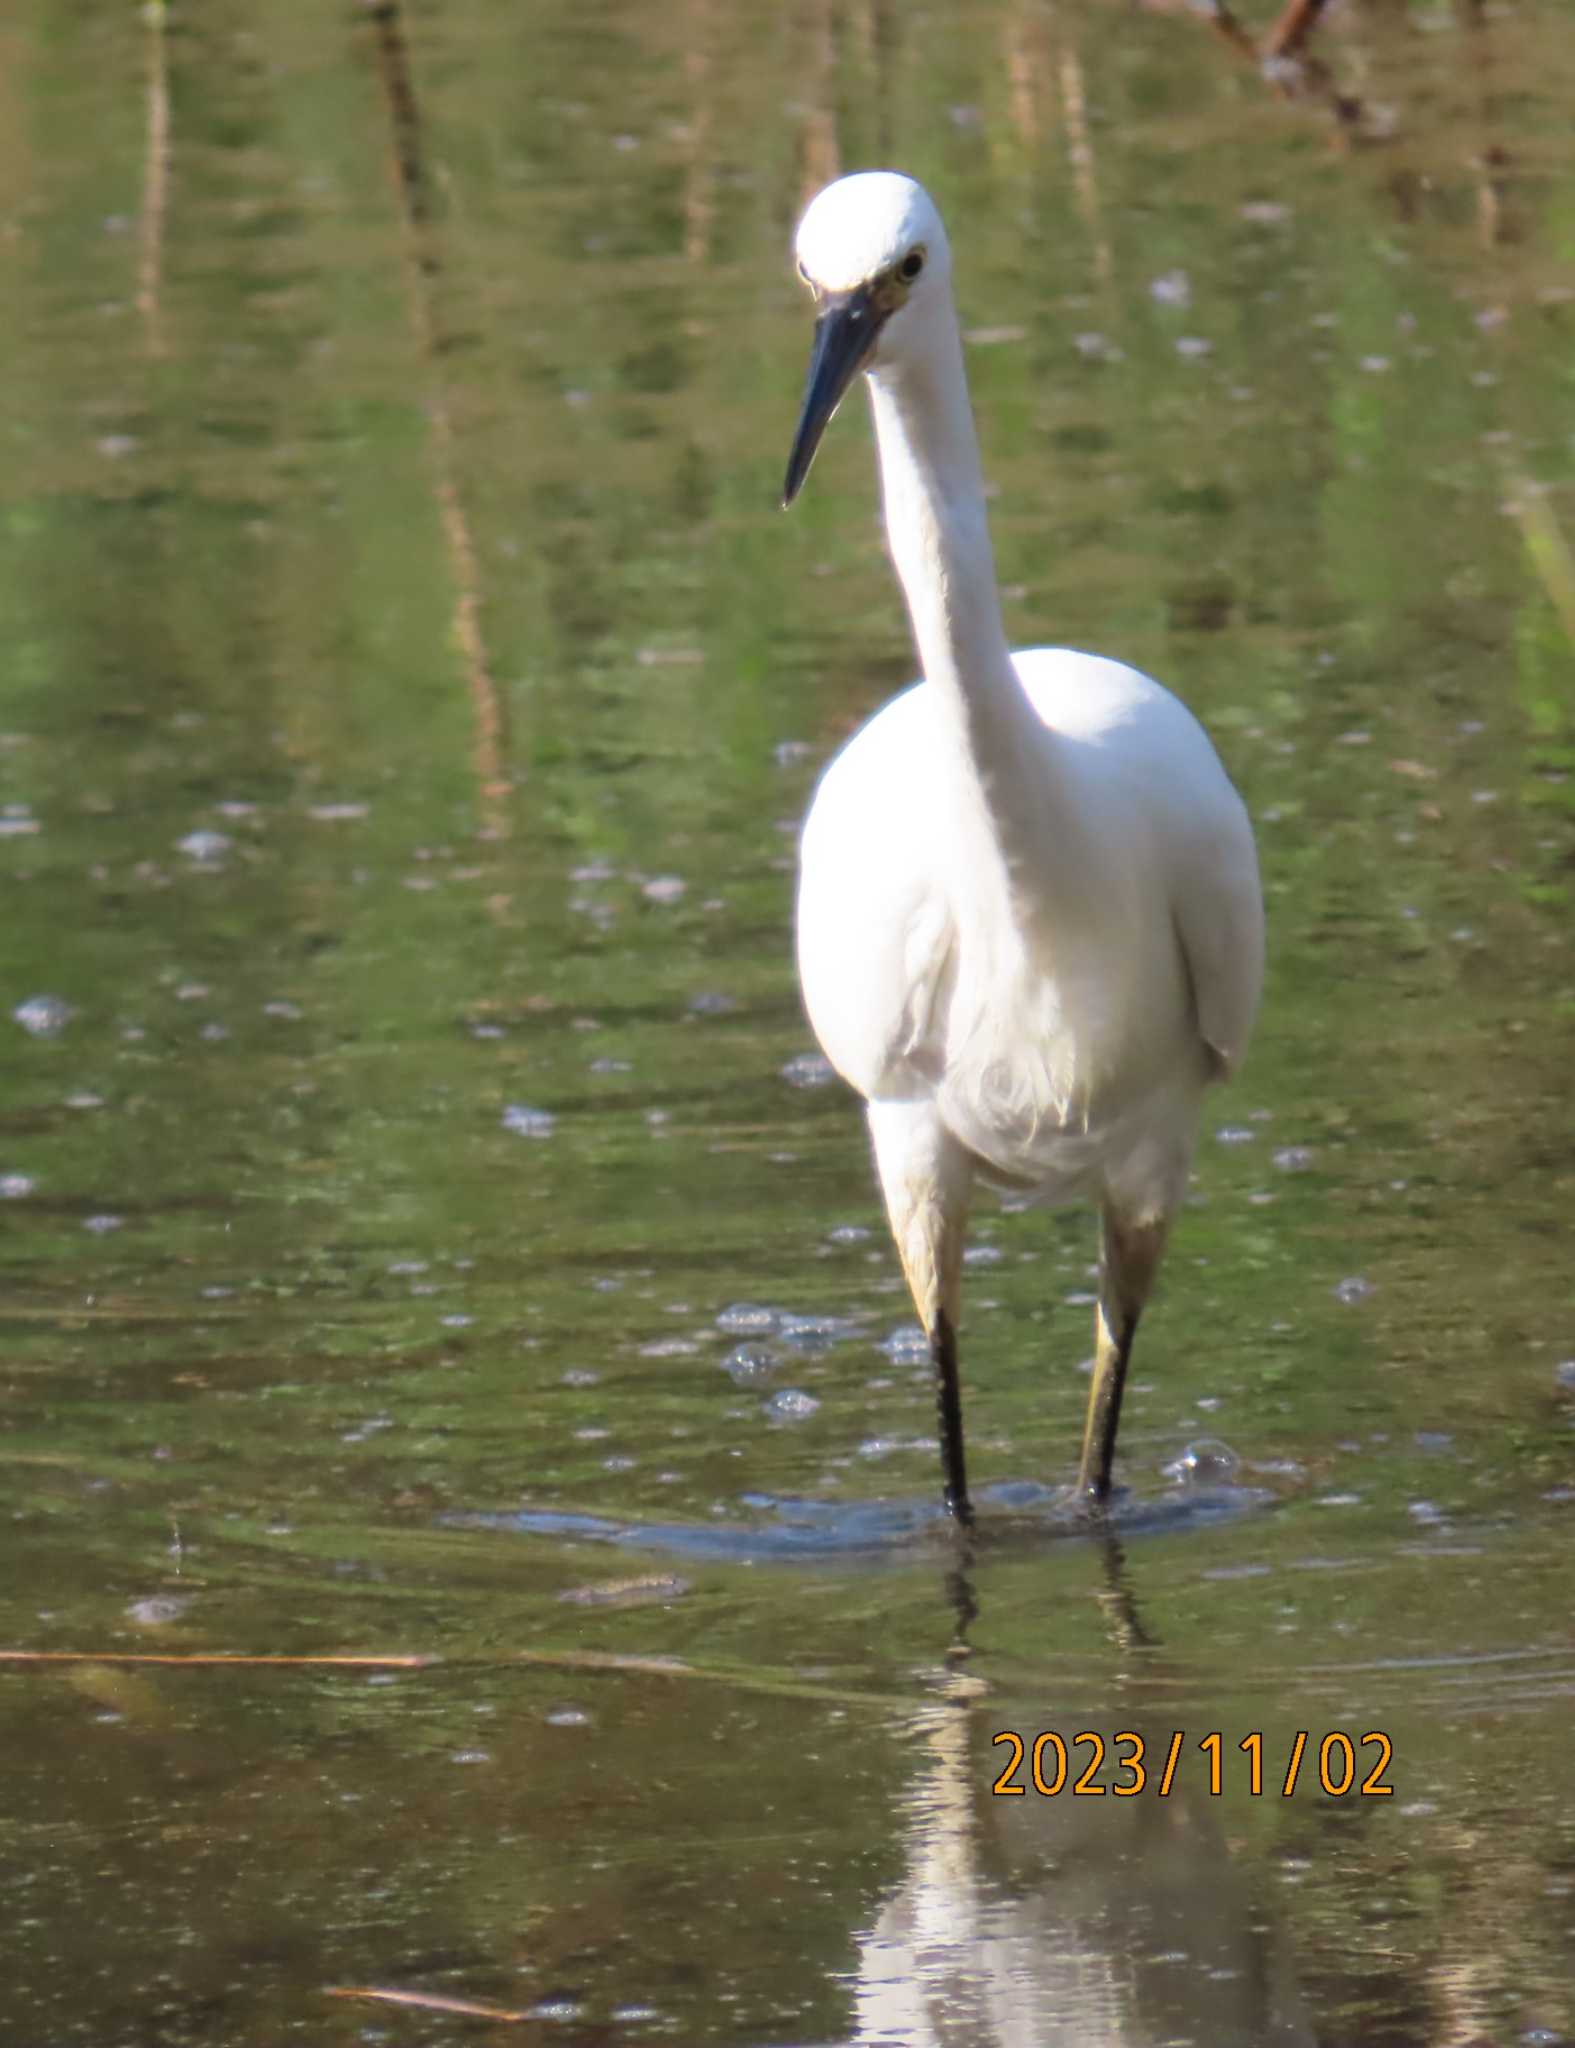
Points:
[409,696]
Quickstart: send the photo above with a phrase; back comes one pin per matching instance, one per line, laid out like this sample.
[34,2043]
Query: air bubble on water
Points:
[1205,1462]
[786,752]
[906,1345]
[526,1122]
[983,1255]
[581,1376]
[287,1012]
[815,1332]
[17,822]
[749,1319]
[1234,1134]
[44,1016]
[1171,288]
[102,1225]
[808,1070]
[664,888]
[1564,1373]
[456,1322]
[607,1065]
[157,1610]
[14,1186]
[373,1426]
[568,1717]
[670,1347]
[1353,1289]
[1427,1512]
[713,1002]
[791,1405]
[850,1233]
[877,1447]
[206,848]
[746,1365]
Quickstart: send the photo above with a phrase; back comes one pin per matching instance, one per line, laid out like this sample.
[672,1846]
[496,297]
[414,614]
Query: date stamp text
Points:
[1048,1764]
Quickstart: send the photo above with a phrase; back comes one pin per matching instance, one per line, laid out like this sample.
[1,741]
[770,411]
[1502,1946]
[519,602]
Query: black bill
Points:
[845,334]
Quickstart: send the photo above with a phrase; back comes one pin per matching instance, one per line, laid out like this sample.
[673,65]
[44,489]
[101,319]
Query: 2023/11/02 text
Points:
[1053,1764]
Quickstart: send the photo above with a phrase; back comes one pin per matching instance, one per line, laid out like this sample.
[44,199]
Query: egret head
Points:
[873,251]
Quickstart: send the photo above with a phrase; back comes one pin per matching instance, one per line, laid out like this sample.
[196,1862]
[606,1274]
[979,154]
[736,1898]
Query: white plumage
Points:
[1030,929]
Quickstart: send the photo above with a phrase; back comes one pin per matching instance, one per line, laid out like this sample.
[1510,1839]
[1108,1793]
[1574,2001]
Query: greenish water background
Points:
[409,693]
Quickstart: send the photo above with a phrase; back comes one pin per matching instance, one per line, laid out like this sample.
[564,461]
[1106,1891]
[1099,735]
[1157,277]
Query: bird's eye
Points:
[910,266]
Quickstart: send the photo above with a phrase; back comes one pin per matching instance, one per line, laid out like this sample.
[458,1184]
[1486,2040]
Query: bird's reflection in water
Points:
[1036,1921]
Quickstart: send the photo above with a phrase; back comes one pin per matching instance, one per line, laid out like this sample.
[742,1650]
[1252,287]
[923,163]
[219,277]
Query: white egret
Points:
[1030,929]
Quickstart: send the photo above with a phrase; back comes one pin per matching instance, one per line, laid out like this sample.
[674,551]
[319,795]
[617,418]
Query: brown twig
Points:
[700,176]
[1294,26]
[392,1663]
[819,149]
[1280,58]
[774,1684]
[155,177]
[423,268]
[429,2001]
[1080,150]
[1228,29]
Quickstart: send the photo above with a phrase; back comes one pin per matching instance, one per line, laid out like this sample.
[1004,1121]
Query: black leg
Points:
[1132,1254]
[1111,1351]
[948,1413]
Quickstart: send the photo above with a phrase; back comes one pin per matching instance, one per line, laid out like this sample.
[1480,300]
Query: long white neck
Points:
[940,543]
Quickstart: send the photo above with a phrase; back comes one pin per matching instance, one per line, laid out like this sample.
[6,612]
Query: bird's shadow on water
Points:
[1012,1516]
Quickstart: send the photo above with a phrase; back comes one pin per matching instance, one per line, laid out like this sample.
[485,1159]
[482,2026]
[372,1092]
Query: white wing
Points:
[1219,921]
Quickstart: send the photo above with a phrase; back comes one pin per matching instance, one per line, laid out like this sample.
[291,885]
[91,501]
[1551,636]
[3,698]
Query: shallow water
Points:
[427,1233]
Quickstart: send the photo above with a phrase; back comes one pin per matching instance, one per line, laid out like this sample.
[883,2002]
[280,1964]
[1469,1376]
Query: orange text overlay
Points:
[1048,1764]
